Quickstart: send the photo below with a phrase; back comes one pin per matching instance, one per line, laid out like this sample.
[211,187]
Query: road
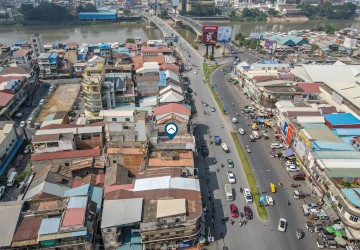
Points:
[257,234]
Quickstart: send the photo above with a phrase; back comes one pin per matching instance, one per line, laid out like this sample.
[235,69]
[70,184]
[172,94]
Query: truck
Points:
[217,140]
[225,147]
[11,177]
[229,192]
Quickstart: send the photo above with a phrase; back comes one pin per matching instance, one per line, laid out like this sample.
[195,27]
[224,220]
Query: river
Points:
[119,32]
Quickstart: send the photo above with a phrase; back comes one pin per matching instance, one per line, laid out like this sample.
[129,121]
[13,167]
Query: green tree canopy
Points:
[46,12]
[130,40]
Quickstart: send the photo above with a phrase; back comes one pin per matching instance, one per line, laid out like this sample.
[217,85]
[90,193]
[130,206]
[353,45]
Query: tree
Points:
[239,37]
[232,13]
[89,7]
[46,12]
[329,29]
[163,13]
[273,12]
[314,47]
[127,12]
[130,40]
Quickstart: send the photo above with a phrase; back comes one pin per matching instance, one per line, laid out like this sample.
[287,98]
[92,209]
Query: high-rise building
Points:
[187,5]
[37,44]
[93,78]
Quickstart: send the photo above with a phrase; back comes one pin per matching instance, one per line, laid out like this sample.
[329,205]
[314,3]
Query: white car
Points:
[282,225]
[247,195]
[288,163]
[195,72]
[22,124]
[212,109]
[29,121]
[241,131]
[269,200]
[2,191]
[231,177]
[292,168]
[276,145]
[234,120]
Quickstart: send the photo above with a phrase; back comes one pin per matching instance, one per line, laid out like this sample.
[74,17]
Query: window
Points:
[114,161]
[125,127]
[127,119]
[66,164]
[114,119]
[354,218]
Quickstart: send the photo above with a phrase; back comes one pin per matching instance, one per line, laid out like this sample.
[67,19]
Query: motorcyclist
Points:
[232,104]
[288,203]
[222,165]
[221,235]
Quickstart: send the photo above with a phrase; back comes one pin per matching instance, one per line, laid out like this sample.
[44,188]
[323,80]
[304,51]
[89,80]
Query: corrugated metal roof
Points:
[46,187]
[28,230]
[121,212]
[331,154]
[346,131]
[166,182]
[342,119]
[172,207]
[311,119]
[9,216]
[184,183]
[97,196]
[353,195]
[49,225]
[323,145]
[79,233]
[74,217]
[333,164]
[81,190]
[77,202]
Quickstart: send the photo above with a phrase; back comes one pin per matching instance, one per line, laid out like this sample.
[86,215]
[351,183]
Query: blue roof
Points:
[162,81]
[131,241]
[347,139]
[353,195]
[269,61]
[81,56]
[342,119]
[54,55]
[104,46]
[49,225]
[97,15]
[95,193]
[323,145]
[77,202]
[331,154]
[346,131]
[79,233]
[19,43]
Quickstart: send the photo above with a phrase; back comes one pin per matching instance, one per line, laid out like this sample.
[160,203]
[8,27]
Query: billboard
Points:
[349,42]
[209,34]
[257,35]
[171,39]
[224,34]
[270,45]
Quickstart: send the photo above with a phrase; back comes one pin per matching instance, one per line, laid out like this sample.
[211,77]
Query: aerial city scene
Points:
[179,124]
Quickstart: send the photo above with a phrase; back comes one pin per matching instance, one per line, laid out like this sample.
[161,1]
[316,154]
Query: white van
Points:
[276,145]
[229,192]
[256,134]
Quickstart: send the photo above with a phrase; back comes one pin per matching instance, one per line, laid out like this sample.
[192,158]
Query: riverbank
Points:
[298,19]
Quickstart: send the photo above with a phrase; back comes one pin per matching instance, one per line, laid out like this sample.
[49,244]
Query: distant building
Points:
[37,44]
[187,5]
[48,63]
[10,143]
[22,57]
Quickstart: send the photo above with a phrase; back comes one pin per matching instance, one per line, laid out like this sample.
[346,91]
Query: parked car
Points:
[289,163]
[212,109]
[282,225]
[310,226]
[292,168]
[248,212]
[18,115]
[231,177]
[230,163]
[247,195]
[298,177]
[241,131]
[312,205]
[234,211]
[276,145]
[22,124]
[29,121]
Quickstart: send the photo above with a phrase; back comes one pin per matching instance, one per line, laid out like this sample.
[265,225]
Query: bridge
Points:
[147,17]
[195,26]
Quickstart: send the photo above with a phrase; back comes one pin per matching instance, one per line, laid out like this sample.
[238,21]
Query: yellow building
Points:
[93,79]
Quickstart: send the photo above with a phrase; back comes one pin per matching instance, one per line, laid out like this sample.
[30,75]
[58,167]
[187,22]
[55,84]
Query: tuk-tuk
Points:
[266,136]
[299,194]
[272,188]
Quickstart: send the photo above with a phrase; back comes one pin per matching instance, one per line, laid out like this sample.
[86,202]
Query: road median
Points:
[250,177]
[208,69]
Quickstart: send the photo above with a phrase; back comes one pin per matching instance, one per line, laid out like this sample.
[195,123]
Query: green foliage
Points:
[314,47]
[217,46]
[130,40]
[163,13]
[239,37]
[46,12]
[127,12]
[202,10]
[253,15]
[195,46]
[273,12]
[232,13]
[212,58]
[20,177]
[89,7]
[328,10]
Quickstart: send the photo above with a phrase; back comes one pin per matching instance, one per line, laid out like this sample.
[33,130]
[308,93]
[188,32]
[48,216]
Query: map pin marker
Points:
[171,130]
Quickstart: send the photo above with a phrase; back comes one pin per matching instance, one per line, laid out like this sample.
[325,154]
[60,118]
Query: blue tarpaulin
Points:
[260,119]
[11,155]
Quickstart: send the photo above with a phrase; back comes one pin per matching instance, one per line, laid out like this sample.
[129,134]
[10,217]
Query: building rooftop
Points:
[342,119]
[172,108]
[9,216]
[66,154]
[166,182]
[171,207]
[27,232]
[353,195]
[74,217]
[171,159]
[5,98]
[49,225]
[121,212]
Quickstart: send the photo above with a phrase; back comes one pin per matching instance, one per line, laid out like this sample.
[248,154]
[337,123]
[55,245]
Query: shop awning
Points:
[288,152]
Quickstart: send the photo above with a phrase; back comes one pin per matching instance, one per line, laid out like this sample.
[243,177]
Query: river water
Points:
[119,32]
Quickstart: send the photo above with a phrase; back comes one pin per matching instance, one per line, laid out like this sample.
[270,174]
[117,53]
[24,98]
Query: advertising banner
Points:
[224,34]
[289,134]
[270,45]
[171,39]
[209,34]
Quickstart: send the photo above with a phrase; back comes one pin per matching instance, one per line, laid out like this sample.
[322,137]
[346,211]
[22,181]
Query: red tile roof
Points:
[309,87]
[100,179]
[77,183]
[66,154]
[71,44]
[357,139]
[5,98]
[112,188]
[172,108]
[15,70]
[9,78]
[157,49]
[21,52]
[74,217]
[172,67]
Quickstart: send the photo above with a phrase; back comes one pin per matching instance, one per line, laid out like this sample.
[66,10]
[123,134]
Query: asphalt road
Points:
[257,234]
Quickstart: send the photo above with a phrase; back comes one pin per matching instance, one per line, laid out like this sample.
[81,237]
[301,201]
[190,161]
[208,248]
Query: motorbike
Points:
[280,184]
[222,126]
[248,149]
[299,234]
[222,165]
[288,203]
